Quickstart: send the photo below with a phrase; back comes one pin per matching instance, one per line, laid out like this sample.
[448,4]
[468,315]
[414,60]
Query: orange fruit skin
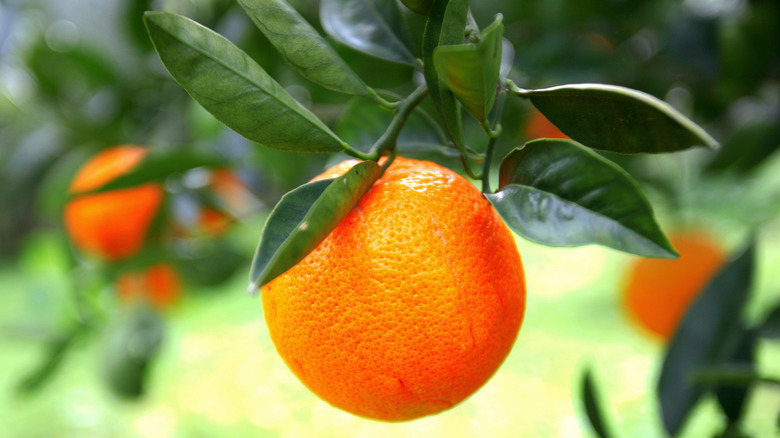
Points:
[658,292]
[539,127]
[410,305]
[111,225]
[158,284]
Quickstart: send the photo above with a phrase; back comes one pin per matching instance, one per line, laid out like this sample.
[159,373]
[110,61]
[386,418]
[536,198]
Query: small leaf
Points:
[157,166]
[618,119]
[446,25]
[304,217]
[55,354]
[301,47]
[591,399]
[422,7]
[559,193]
[232,87]
[374,27]
[362,123]
[471,70]
[705,338]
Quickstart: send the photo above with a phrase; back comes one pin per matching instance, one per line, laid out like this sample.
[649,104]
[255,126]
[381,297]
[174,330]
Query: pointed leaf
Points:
[303,219]
[232,87]
[591,399]
[732,398]
[770,328]
[422,7]
[374,27]
[559,193]
[618,119]
[471,70]
[301,47]
[705,338]
[446,25]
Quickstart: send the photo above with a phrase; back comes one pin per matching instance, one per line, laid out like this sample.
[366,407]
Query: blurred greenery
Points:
[77,77]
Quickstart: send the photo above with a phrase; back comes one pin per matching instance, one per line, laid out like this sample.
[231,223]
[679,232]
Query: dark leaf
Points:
[591,399]
[232,87]
[446,25]
[422,7]
[732,398]
[304,217]
[705,338]
[363,122]
[770,328]
[374,27]
[132,345]
[618,119]
[471,71]
[559,193]
[748,147]
[302,47]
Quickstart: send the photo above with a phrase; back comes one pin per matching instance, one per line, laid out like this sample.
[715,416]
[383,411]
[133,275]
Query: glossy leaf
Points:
[446,25]
[591,399]
[156,166]
[304,217]
[422,7]
[559,193]
[705,338]
[301,47]
[374,27]
[232,87]
[362,123]
[471,71]
[618,119]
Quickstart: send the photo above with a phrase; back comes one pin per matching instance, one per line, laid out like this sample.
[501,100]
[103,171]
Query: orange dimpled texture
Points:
[410,305]
[658,292]
[159,285]
[111,225]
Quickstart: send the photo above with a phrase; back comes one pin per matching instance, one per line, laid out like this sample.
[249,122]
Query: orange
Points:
[658,292]
[537,126]
[158,284]
[111,225]
[410,305]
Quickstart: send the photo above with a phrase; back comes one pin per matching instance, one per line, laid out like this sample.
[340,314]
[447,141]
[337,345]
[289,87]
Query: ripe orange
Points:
[658,292]
[537,126]
[410,305]
[111,225]
[158,284]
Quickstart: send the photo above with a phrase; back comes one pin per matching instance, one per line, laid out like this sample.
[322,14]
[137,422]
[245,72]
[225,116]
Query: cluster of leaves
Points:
[555,192]
[713,352]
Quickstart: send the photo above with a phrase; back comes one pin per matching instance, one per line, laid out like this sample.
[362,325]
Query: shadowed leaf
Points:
[559,193]
[591,399]
[304,217]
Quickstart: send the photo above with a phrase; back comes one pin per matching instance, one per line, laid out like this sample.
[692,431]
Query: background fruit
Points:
[658,291]
[158,284]
[409,305]
[537,126]
[113,224]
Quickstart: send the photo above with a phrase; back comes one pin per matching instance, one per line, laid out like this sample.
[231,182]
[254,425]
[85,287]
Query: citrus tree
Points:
[554,191]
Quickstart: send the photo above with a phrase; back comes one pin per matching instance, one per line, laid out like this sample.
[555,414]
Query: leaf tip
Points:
[253,289]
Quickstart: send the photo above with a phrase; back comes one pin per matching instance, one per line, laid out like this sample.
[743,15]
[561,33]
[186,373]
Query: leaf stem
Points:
[514,89]
[379,100]
[492,132]
[403,110]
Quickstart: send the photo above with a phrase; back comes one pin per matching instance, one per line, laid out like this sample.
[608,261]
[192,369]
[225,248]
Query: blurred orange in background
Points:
[537,126]
[159,285]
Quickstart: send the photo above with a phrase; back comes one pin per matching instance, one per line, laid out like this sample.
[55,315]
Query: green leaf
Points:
[232,87]
[770,328]
[705,338]
[446,25]
[471,70]
[422,7]
[374,27]
[362,123]
[732,398]
[56,351]
[591,399]
[157,166]
[304,217]
[301,47]
[559,193]
[617,119]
